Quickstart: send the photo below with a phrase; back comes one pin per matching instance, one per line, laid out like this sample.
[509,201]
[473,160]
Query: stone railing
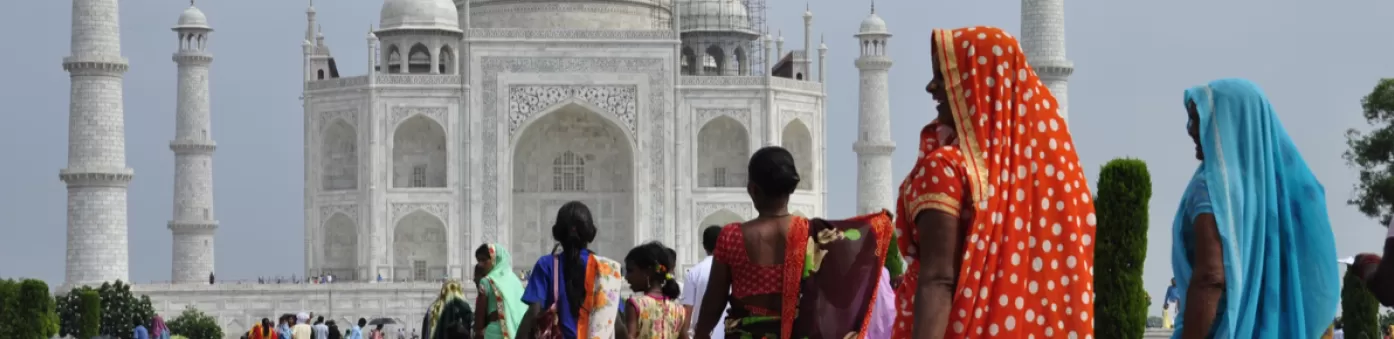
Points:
[776,82]
[418,79]
[338,83]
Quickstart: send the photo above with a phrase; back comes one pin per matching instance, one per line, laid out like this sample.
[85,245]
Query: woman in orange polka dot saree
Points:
[995,218]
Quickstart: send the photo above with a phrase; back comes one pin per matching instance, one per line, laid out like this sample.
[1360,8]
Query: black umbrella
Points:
[382,321]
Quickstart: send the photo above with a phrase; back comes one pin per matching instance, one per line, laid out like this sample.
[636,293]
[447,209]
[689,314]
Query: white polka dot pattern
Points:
[1014,178]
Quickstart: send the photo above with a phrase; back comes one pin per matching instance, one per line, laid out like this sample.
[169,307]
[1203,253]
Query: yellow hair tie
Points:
[670,276]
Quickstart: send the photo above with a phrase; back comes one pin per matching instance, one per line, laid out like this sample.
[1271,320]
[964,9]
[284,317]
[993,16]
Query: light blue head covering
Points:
[1281,278]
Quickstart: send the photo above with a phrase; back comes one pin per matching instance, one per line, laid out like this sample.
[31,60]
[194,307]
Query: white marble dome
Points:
[713,15]
[192,18]
[873,24]
[419,14]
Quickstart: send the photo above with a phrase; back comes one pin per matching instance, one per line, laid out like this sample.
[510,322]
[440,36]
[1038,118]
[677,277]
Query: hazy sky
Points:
[1132,61]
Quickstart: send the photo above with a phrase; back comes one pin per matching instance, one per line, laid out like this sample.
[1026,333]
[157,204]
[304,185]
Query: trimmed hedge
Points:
[1359,309]
[26,310]
[89,315]
[1120,309]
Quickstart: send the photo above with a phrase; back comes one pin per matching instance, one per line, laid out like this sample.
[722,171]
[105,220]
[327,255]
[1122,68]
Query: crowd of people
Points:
[993,235]
[299,326]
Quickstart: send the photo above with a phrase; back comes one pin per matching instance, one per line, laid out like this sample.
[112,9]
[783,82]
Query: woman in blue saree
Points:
[1253,251]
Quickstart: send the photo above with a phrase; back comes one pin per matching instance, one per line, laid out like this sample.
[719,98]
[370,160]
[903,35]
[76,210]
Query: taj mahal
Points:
[473,122]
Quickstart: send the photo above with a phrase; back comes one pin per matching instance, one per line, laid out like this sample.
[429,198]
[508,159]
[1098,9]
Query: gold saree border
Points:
[976,164]
[935,201]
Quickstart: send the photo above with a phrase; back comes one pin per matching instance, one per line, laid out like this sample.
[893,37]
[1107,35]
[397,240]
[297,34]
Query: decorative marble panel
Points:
[322,119]
[658,72]
[744,209]
[403,112]
[350,210]
[400,209]
[526,100]
[707,114]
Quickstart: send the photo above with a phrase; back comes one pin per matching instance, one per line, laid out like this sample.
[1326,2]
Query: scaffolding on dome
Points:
[735,17]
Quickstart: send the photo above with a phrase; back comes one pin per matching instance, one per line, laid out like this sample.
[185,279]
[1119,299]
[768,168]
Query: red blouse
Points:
[747,278]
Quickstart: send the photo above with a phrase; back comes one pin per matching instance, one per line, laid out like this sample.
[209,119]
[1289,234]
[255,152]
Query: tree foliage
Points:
[1359,309]
[1372,153]
[26,310]
[193,324]
[121,310]
[1121,305]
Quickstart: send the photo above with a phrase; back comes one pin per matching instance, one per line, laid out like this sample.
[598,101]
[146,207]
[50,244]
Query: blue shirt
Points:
[285,331]
[1172,295]
[539,291]
[141,333]
[356,332]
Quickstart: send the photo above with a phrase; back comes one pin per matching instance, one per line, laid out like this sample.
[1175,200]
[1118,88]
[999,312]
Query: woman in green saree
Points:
[500,301]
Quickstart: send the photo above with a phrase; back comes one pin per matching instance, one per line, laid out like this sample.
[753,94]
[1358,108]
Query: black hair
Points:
[660,260]
[319,320]
[362,322]
[772,170]
[574,230]
[709,237]
[482,251]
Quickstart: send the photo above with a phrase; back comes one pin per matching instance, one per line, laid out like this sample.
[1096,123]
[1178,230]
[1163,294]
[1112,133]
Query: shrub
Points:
[1359,309]
[37,316]
[193,324]
[120,310]
[1121,247]
[9,304]
[89,315]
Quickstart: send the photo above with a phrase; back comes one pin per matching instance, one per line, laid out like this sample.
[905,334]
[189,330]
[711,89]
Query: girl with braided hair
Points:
[573,290]
[653,312]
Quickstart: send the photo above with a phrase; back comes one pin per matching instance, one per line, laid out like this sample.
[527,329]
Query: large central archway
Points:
[572,153]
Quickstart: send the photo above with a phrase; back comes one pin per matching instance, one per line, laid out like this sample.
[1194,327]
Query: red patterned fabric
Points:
[747,278]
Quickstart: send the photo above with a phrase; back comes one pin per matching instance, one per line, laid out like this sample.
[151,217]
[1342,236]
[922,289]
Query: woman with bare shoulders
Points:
[779,268]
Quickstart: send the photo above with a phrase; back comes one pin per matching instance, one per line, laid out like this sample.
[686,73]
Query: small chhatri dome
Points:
[873,25]
[714,15]
[192,18]
[419,14]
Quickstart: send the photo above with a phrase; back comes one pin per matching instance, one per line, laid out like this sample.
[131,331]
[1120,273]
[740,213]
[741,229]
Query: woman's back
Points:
[755,251]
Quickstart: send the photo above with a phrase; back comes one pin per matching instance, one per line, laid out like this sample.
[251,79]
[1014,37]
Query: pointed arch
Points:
[798,139]
[714,63]
[394,59]
[419,247]
[741,59]
[419,153]
[419,59]
[340,247]
[339,156]
[723,149]
[689,61]
[446,61]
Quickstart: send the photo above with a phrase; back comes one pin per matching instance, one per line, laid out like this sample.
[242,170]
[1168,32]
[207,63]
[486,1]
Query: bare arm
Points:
[1207,280]
[529,321]
[480,311]
[714,300]
[941,246]
[631,316]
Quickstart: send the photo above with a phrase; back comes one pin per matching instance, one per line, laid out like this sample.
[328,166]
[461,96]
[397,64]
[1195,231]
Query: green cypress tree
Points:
[37,316]
[1120,309]
[1359,309]
[89,315]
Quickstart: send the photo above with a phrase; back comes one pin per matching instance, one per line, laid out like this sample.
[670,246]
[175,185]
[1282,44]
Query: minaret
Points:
[874,145]
[1043,38]
[96,175]
[806,62]
[193,224]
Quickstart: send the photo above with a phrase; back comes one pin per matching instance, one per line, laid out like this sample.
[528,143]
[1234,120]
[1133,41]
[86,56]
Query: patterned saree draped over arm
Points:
[503,295]
[842,275]
[1281,278]
[449,310]
[1009,170]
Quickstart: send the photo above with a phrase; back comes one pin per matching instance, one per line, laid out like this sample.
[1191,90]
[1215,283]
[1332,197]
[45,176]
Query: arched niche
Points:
[418,247]
[799,141]
[339,156]
[572,152]
[394,59]
[419,59]
[723,150]
[340,247]
[714,63]
[418,154]
[689,61]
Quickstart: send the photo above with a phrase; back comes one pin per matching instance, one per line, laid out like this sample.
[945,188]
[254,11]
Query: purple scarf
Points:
[157,327]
